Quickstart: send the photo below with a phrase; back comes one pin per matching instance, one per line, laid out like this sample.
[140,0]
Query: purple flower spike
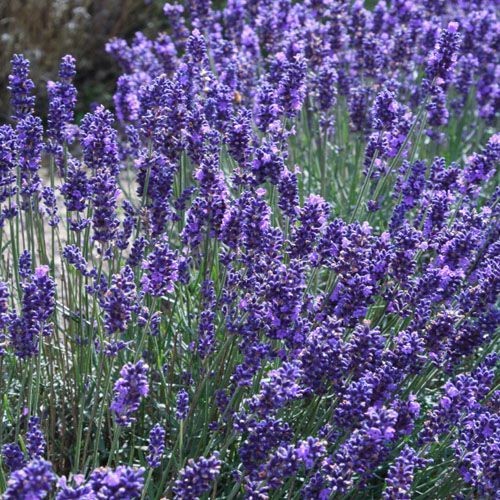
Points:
[156,446]
[197,477]
[21,87]
[130,389]
[117,484]
[38,304]
[162,269]
[35,440]
[13,457]
[34,481]
[400,476]
[119,301]
[62,101]
[182,409]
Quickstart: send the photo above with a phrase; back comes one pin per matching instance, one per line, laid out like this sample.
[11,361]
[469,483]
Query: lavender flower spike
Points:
[156,446]
[197,477]
[130,389]
[32,482]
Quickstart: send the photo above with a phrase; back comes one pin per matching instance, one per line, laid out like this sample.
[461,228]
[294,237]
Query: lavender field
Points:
[269,270]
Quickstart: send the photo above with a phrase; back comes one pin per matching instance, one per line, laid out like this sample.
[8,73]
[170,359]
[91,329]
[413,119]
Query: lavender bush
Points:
[270,272]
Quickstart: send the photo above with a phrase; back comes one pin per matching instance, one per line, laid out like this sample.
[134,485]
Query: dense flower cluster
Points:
[35,480]
[129,389]
[197,477]
[13,457]
[35,439]
[122,482]
[401,473]
[156,446]
[252,278]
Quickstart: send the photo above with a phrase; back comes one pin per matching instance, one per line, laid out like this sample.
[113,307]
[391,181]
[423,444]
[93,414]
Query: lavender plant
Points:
[270,272]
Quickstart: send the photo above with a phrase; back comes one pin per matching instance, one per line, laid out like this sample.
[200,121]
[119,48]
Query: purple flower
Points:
[358,109]
[156,446]
[29,143]
[162,269]
[279,388]
[35,441]
[13,457]
[361,260]
[7,164]
[321,356]
[197,477]
[372,388]
[182,405]
[363,451]
[267,110]
[137,252]
[460,395]
[292,86]
[363,351]
[164,115]
[409,187]
[255,220]
[119,301]
[476,449]
[76,189]
[111,349]
[376,153]
[21,87]
[313,217]
[126,100]
[166,52]
[206,325]
[73,255]
[196,46]
[4,314]
[128,225]
[79,492]
[400,476]
[158,172]
[332,319]
[262,437]
[174,14]
[62,101]
[285,461]
[116,484]
[209,208]
[50,209]
[443,58]
[288,190]
[240,137]
[104,197]
[437,112]
[25,263]
[34,481]
[268,163]
[284,293]
[326,84]
[38,304]
[218,105]
[480,167]
[129,389]
[385,111]
[99,142]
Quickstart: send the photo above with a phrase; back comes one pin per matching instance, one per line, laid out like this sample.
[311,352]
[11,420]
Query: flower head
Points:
[197,477]
[129,389]
[156,446]
[34,481]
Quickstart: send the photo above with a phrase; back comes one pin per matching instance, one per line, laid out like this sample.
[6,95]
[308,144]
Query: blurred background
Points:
[45,30]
